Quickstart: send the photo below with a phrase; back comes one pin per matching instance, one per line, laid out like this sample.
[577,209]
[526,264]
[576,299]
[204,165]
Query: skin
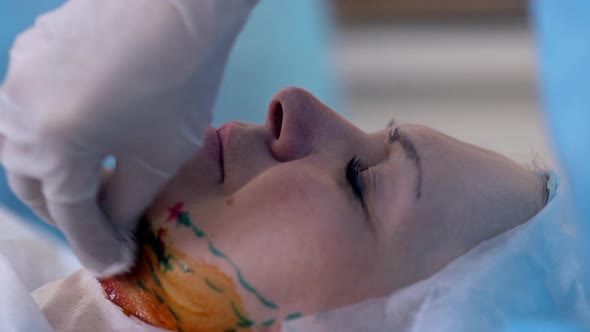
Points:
[281,210]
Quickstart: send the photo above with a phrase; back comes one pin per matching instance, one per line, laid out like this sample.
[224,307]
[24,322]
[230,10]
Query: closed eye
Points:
[352,171]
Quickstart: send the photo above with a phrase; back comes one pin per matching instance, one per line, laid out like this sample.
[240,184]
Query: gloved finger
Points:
[2,142]
[11,125]
[29,191]
[71,195]
[3,115]
[6,111]
[16,157]
[130,189]
[101,248]
[105,174]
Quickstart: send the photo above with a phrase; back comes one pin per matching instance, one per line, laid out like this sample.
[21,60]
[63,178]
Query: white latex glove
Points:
[135,79]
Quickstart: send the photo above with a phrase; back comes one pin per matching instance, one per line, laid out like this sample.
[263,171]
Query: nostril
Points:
[276,119]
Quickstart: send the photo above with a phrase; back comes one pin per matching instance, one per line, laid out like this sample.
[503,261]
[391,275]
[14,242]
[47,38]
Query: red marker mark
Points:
[175,211]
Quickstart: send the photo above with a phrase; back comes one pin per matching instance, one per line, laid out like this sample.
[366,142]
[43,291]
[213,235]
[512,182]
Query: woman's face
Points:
[309,213]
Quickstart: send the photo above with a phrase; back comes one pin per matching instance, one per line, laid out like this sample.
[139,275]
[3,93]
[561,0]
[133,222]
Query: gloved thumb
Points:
[71,200]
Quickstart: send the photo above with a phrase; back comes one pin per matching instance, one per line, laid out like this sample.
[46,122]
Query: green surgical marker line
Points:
[243,321]
[158,296]
[141,285]
[213,286]
[292,316]
[269,322]
[174,314]
[241,279]
[218,252]
[246,323]
[252,290]
[198,232]
[166,263]
[154,276]
[154,243]
[184,220]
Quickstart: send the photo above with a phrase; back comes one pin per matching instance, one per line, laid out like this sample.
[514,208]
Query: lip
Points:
[223,134]
[212,144]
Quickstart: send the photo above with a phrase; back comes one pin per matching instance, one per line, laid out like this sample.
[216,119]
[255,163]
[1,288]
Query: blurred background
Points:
[465,67]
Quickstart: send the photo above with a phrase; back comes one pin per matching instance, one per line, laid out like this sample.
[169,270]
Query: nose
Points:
[300,124]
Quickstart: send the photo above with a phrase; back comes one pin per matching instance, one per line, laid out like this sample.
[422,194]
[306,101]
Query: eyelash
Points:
[352,170]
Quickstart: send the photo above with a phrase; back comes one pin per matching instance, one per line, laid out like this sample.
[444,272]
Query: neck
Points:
[168,290]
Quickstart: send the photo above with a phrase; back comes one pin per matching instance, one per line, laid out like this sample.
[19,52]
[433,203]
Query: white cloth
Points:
[74,304]
[27,261]
[18,310]
[78,303]
[133,79]
[34,257]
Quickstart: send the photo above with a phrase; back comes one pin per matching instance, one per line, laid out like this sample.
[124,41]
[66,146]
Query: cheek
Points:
[293,237]
[299,236]
[290,209]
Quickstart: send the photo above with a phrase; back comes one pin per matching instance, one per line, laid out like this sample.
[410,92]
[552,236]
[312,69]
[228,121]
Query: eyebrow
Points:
[398,135]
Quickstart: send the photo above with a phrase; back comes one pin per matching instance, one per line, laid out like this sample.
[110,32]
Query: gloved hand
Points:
[135,79]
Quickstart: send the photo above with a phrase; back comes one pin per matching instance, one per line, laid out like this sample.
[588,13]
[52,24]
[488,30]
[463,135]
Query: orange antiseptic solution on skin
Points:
[181,295]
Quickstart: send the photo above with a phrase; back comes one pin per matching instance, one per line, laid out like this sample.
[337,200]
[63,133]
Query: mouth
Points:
[213,145]
[225,134]
[225,146]
[221,163]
